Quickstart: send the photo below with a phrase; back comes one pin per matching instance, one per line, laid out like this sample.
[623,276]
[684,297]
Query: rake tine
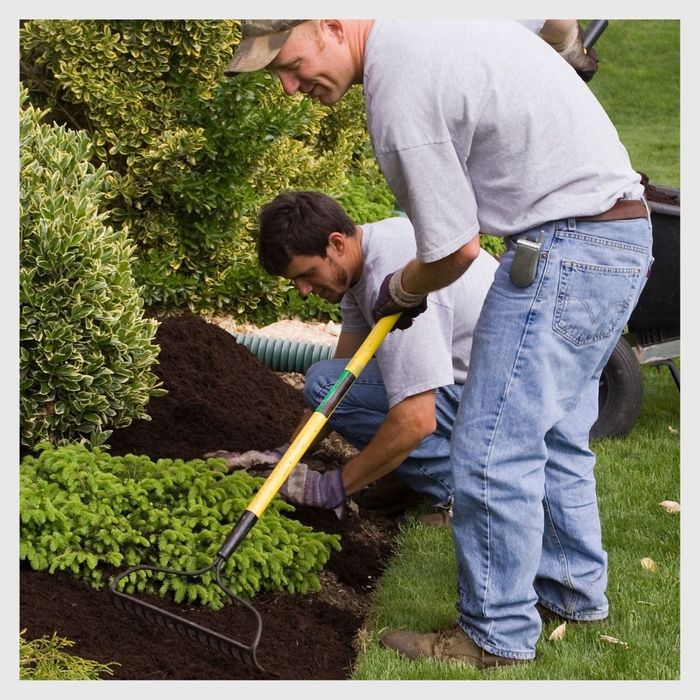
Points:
[175,623]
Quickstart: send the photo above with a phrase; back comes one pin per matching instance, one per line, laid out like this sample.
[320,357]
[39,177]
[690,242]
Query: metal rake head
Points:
[152,614]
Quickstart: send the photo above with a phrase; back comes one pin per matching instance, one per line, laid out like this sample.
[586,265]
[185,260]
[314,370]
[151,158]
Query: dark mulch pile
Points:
[663,196]
[221,397]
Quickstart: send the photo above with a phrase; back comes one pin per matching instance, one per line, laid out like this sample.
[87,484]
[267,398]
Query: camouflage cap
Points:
[262,41]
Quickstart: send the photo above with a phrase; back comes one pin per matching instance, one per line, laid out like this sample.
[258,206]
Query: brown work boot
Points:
[451,644]
[442,517]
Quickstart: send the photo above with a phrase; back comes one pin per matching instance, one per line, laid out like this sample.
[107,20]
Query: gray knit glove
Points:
[306,487]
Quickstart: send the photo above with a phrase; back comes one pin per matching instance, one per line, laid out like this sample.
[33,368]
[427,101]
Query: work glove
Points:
[245,461]
[307,487]
[584,61]
[393,298]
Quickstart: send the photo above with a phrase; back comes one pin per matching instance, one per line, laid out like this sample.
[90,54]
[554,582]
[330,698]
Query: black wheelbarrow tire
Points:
[620,394]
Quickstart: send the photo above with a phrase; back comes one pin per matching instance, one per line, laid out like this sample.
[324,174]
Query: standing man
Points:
[400,411]
[479,126]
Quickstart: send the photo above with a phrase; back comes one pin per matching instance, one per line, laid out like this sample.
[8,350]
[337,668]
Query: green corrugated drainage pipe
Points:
[283,355]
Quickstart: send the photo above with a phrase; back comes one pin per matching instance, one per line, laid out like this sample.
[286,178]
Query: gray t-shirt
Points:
[480,126]
[435,350]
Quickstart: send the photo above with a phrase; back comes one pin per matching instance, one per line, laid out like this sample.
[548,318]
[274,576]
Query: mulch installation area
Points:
[221,397]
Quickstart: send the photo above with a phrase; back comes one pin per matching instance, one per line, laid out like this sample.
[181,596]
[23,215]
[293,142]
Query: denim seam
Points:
[630,271]
[596,240]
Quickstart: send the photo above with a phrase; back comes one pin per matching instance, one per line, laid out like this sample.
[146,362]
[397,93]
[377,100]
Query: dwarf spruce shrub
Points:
[195,154]
[86,350]
[86,512]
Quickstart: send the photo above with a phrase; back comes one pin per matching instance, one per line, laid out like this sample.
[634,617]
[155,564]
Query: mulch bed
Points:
[221,397]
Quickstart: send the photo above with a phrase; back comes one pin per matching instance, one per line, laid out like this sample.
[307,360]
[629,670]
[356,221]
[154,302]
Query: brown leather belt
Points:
[622,209]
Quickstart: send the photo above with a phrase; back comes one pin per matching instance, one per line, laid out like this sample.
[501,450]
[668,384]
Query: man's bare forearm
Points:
[421,278]
[406,424]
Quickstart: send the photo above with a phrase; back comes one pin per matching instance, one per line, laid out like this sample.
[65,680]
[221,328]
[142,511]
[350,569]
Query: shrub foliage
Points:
[45,659]
[82,511]
[86,349]
[194,154]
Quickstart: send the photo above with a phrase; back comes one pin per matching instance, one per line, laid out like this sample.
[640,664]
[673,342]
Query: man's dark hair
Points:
[298,223]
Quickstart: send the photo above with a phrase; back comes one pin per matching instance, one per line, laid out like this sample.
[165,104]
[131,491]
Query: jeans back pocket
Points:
[593,301]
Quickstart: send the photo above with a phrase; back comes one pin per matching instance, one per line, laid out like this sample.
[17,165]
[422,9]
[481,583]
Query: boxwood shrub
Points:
[86,347]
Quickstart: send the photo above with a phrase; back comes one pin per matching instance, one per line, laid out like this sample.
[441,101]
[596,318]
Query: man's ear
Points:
[337,242]
[335,28]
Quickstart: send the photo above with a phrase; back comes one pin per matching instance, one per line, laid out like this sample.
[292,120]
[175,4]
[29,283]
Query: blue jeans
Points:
[363,409]
[525,516]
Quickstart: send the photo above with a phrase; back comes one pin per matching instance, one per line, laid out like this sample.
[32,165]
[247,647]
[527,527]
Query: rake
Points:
[239,650]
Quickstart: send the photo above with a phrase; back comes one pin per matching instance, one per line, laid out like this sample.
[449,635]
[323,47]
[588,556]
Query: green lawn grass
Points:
[638,84]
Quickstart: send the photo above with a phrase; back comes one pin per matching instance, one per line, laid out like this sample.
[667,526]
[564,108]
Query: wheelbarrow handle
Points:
[307,434]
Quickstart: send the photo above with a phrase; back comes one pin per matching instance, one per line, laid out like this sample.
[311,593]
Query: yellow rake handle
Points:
[320,416]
